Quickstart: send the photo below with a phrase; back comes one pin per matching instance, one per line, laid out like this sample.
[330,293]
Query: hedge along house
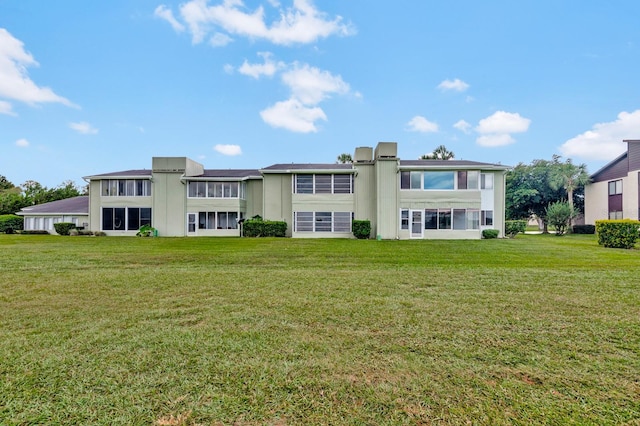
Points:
[402,199]
[42,217]
[614,191]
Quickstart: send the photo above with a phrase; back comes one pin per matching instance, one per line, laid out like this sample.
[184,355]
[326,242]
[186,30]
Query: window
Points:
[322,221]
[486,181]
[613,215]
[410,180]
[438,180]
[486,218]
[125,218]
[126,188]
[473,219]
[323,184]
[615,187]
[444,219]
[404,219]
[459,219]
[431,219]
[218,220]
[202,189]
[468,179]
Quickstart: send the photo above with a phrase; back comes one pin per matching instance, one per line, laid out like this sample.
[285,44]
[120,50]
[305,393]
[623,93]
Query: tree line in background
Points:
[13,198]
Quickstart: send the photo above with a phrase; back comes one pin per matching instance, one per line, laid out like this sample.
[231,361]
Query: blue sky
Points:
[91,87]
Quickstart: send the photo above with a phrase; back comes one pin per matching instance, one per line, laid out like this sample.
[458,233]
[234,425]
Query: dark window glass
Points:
[431,219]
[107,219]
[133,215]
[444,219]
[462,180]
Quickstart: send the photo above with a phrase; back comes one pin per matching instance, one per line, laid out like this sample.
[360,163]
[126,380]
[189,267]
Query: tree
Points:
[440,153]
[5,184]
[344,158]
[569,177]
[528,191]
[559,214]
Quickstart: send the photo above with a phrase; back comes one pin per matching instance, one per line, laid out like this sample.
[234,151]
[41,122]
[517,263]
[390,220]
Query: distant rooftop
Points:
[75,205]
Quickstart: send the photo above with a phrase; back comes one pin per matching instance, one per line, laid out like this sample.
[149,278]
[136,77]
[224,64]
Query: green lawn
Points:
[176,331]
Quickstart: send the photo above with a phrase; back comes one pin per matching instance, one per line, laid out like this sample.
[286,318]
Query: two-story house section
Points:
[316,200]
[614,191]
[402,199]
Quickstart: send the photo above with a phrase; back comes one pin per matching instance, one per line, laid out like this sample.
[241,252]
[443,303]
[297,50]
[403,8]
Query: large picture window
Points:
[439,180]
[125,188]
[218,220]
[203,189]
[125,218]
[322,221]
[323,184]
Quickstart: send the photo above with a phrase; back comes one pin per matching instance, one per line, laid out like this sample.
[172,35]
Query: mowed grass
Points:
[177,331]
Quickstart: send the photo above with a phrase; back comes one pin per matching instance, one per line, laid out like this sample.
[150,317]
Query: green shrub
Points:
[34,232]
[147,231]
[256,227]
[63,228]
[9,223]
[618,233]
[584,229]
[514,227]
[559,215]
[490,233]
[361,229]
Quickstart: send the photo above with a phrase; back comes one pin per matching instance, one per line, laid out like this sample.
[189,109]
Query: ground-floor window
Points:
[322,221]
[125,218]
[486,218]
[445,218]
[218,220]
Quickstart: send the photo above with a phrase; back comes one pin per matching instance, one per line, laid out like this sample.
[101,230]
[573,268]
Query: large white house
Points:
[403,199]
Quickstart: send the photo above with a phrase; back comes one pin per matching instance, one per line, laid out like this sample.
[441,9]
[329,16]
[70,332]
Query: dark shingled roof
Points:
[297,166]
[447,163]
[230,173]
[75,205]
[127,173]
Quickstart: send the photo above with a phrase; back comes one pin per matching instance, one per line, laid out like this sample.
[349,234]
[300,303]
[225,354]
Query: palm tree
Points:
[440,153]
[344,158]
[568,176]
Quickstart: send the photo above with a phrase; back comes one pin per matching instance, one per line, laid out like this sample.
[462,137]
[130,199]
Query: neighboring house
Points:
[41,217]
[614,189]
[402,199]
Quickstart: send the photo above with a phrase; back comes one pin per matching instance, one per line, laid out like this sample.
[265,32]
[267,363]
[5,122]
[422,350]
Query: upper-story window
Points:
[441,180]
[486,180]
[203,189]
[323,184]
[126,188]
[615,187]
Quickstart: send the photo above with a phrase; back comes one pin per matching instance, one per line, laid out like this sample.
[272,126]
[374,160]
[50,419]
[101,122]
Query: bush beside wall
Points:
[490,233]
[618,233]
[9,223]
[361,229]
[514,227]
[257,227]
[63,228]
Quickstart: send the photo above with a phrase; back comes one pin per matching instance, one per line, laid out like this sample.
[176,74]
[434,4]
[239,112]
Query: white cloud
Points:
[421,124]
[268,68]
[6,108]
[14,81]
[496,129]
[463,126]
[503,122]
[22,143]
[228,68]
[604,140]
[163,12]
[83,128]
[293,115]
[311,85]
[220,40]
[302,23]
[228,149]
[497,139]
[456,85]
